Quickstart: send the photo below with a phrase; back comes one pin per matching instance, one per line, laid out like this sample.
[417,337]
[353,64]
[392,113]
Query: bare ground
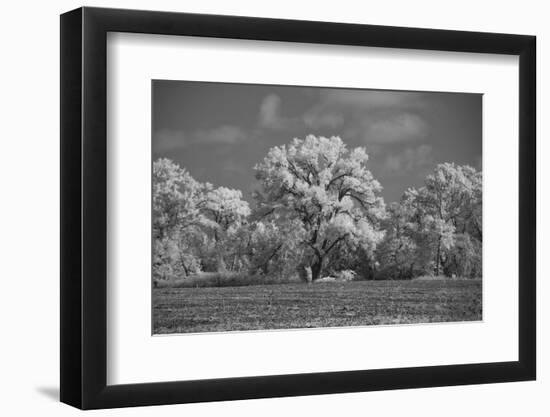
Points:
[289,306]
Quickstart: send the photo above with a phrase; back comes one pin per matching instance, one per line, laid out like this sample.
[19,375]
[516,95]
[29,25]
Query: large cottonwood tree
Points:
[328,188]
[177,198]
[193,223]
[449,205]
[177,219]
[397,254]
[226,213]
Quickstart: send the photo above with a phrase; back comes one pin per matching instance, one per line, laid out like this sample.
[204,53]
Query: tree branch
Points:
[335,242]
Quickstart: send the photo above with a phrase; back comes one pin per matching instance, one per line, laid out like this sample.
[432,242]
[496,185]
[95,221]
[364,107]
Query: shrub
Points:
[346,275]
[325,279]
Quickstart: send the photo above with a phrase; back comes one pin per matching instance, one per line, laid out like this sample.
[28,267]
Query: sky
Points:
[219,131]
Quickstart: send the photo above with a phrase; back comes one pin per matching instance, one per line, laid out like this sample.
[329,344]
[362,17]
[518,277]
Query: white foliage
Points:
[327,187]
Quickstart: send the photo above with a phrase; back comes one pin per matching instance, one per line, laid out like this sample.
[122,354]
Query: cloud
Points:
[403,127]
[381,117]
[225,135]
[372,99]
[409,160]
[356,103]
[270,116]
[329,120]
[165,140]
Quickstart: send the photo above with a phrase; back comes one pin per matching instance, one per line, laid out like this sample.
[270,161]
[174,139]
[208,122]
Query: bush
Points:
[346,275]
[325,279]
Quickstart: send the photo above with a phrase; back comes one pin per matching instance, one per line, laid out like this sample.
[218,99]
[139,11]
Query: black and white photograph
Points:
[287,207]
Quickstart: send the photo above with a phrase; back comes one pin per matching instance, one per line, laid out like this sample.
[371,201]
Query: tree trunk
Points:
[438,257]
[316,269]
[185,269]
[220,267]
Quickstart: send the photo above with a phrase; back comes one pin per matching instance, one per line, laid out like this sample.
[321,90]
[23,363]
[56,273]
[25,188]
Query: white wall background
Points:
[29,237]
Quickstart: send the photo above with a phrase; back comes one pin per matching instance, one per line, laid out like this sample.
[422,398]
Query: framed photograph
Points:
[259,208]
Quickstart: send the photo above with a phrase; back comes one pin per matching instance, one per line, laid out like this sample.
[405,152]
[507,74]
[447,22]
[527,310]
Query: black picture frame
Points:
[84,207]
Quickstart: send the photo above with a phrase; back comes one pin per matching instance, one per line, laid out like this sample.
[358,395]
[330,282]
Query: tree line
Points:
[317,212]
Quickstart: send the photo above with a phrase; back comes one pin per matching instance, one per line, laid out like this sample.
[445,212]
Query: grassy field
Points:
[287,306]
